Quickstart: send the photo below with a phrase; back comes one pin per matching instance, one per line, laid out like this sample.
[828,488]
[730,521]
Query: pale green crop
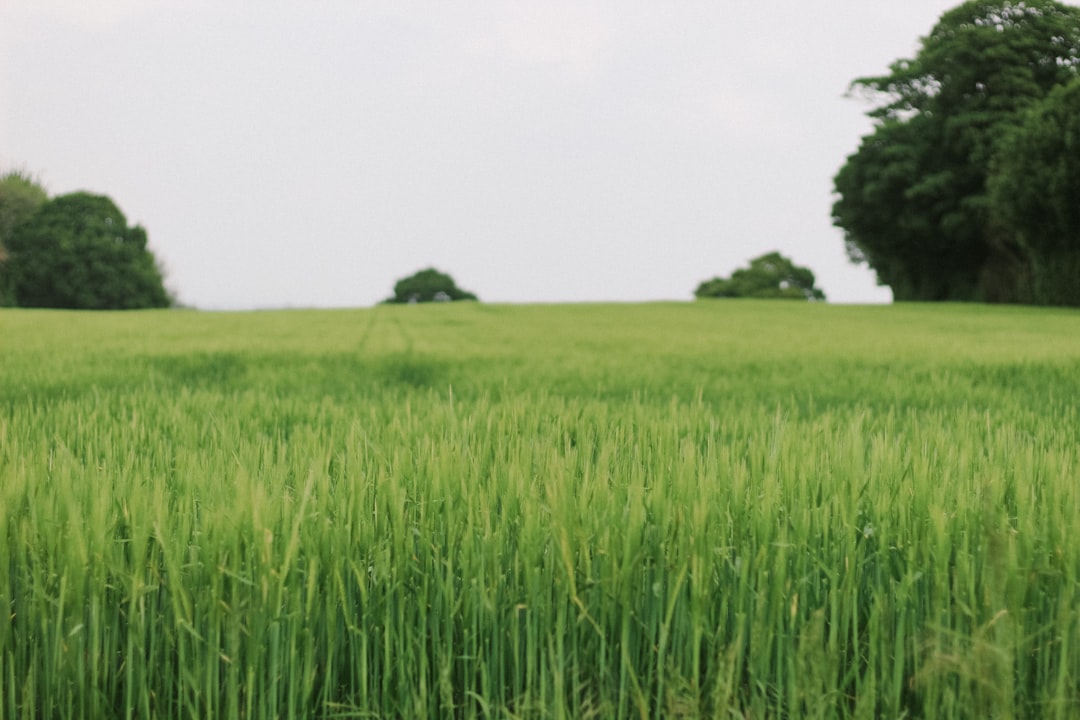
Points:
[718,509]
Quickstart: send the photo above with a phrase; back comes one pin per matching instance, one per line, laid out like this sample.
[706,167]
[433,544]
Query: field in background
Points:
[718,509]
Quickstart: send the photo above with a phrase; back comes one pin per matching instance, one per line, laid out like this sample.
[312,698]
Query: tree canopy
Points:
[769,276]
[428,285]
[913,201]
[1035,193]
[20,198]
[76,251]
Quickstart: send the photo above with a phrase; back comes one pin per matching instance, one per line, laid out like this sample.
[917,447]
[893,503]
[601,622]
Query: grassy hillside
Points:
[720,509]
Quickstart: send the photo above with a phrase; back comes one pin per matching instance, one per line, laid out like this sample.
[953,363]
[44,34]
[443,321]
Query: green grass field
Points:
[721,509]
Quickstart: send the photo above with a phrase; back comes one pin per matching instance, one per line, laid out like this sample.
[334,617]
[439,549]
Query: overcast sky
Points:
[301,154]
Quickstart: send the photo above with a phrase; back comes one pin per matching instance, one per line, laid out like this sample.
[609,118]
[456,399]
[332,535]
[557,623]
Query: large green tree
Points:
[77,251]
[913,200]
[769,276]
[20,198]
[428,285]
[1035,188]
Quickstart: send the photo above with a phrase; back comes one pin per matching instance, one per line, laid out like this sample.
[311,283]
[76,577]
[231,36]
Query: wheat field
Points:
[725,509]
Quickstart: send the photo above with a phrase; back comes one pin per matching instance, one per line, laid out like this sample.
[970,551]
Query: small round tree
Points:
[428,285]
[769,276]
[77,252]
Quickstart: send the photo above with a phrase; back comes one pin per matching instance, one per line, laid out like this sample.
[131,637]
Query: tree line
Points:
[77,251]
[770,276]
[967,189]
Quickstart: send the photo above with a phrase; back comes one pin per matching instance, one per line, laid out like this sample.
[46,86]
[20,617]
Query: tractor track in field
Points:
[365,332]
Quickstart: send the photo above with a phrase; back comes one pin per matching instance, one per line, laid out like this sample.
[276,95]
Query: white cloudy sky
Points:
[311,153]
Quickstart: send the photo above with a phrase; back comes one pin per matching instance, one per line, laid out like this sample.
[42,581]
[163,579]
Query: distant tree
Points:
[769,276]
[428,285]
[1035,193]
[913,200]
[20,198]
[78,252]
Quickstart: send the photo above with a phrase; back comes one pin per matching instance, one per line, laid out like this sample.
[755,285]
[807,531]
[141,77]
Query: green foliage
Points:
[769,276]
[912,200]
[760,510]
[428,285]
[1035,189]
[78,252]
[20,198]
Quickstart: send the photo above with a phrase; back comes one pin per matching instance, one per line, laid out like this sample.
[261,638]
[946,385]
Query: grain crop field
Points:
[719,509]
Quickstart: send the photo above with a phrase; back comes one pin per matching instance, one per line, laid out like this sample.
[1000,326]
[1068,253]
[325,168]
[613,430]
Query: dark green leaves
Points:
[20,197]
[1035,190]
[78,252]
[769,276]
[428,285]
[913,200]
